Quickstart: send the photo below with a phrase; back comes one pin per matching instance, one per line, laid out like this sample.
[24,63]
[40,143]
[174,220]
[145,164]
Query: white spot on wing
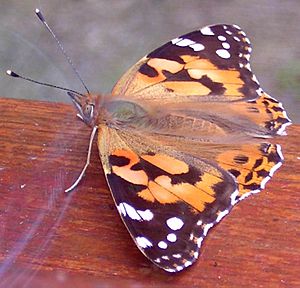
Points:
[247,66]
[191,236]
[264,181]
[199,241]
[143,242]
[249,193]
[140,215]
[197,47]
[169,270]
[175,223]
[281,130]
[221,214]
[222,38]
[254,78]
[226,45]
[233,197]
[274,168]
[247,56]
[162,245]
[278,149]
[177,256]
[185,42]
[223,53]
[188,43]
[146,215]
[174,41]
[207,31]
[187,263]
[236,26]
[171,237]
[259,91]
[131,212]
[206,228]
[121,209]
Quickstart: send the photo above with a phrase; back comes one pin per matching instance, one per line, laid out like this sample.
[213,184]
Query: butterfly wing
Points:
[201,63]
[207,65]
[251,163]
[167,199]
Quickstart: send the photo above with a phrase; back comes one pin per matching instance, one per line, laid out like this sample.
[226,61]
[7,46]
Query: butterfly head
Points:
[86,105]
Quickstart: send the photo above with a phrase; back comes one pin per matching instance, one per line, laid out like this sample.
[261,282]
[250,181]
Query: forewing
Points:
[212,61]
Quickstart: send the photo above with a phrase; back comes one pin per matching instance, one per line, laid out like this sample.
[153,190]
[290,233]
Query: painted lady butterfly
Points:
[183,138]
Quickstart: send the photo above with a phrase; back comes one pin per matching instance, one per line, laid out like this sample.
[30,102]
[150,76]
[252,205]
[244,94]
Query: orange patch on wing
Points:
[227,162]
[186,192]
[161,194]
[266,110]
[187,88]
[133,176]
[207,182]
[142,79]
[146,195]
[159,65]
[167,163]
[189,58]
[127,154]
[253,153]
[164,64]
[264,103]
[158,193]
[220,76]
[200,64]
[233,90]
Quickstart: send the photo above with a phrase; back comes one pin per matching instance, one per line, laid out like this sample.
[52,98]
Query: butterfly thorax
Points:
[123,114]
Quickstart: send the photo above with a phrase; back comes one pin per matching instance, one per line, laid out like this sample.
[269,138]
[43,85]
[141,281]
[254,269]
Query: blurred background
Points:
[104,38]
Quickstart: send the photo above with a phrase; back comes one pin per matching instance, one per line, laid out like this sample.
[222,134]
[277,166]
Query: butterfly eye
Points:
[88,112]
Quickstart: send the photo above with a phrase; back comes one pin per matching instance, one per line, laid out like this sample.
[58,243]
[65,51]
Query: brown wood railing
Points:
[52,239]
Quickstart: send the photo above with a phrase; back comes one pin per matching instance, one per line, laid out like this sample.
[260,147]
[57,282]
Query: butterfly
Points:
[182,138]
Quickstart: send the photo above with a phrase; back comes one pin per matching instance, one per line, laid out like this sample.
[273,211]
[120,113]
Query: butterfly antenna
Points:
[15,75]
[62,49]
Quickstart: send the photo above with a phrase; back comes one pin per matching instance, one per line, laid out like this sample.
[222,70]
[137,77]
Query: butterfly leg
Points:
[87,161]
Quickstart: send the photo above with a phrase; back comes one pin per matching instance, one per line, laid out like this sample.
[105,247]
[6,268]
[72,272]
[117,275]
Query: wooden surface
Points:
[50,239]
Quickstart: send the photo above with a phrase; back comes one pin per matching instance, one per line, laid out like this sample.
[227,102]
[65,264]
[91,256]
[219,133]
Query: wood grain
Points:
[52,239]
